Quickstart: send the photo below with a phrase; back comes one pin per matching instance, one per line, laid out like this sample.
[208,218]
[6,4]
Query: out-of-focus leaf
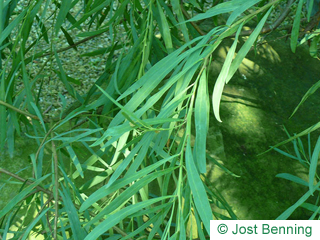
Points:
[309,8]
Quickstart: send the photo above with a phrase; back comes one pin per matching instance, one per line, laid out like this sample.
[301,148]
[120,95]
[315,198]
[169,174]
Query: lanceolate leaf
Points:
[201,122]
[313,165]
[218,87]
[78,232]
[198,191]
[64,10]
[296,27]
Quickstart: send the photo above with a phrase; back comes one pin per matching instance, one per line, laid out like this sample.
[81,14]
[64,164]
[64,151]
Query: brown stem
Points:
[196,27]
[29,182]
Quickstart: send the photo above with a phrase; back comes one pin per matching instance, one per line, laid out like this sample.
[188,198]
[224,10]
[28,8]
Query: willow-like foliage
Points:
[119,161]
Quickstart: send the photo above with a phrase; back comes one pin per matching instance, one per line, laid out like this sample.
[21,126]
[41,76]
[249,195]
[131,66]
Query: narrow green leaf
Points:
[296,27]
[78,232]
[247,46]
[308,94]
[165,29]
[201,122]
[69,79]
[285,153]
[199,193]
[38,115]
[305,132]
[3,113]
[313,165]
[64,10]
[309,8]
[221,166]
[75,160]
[223,76]
[293,178]
[69,39]
[240,9]
[97,8]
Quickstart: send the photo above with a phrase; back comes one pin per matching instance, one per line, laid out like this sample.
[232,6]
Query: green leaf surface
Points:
[198,191]
[201,122]
[296,27]
[78,231]
[75,160]
[313,165]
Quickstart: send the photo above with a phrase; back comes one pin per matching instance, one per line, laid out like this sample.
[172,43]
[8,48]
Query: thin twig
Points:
[196,27]
[29,182]
[19,110]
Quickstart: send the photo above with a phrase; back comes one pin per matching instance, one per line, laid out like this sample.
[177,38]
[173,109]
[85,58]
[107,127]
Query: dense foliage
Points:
[135,172]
